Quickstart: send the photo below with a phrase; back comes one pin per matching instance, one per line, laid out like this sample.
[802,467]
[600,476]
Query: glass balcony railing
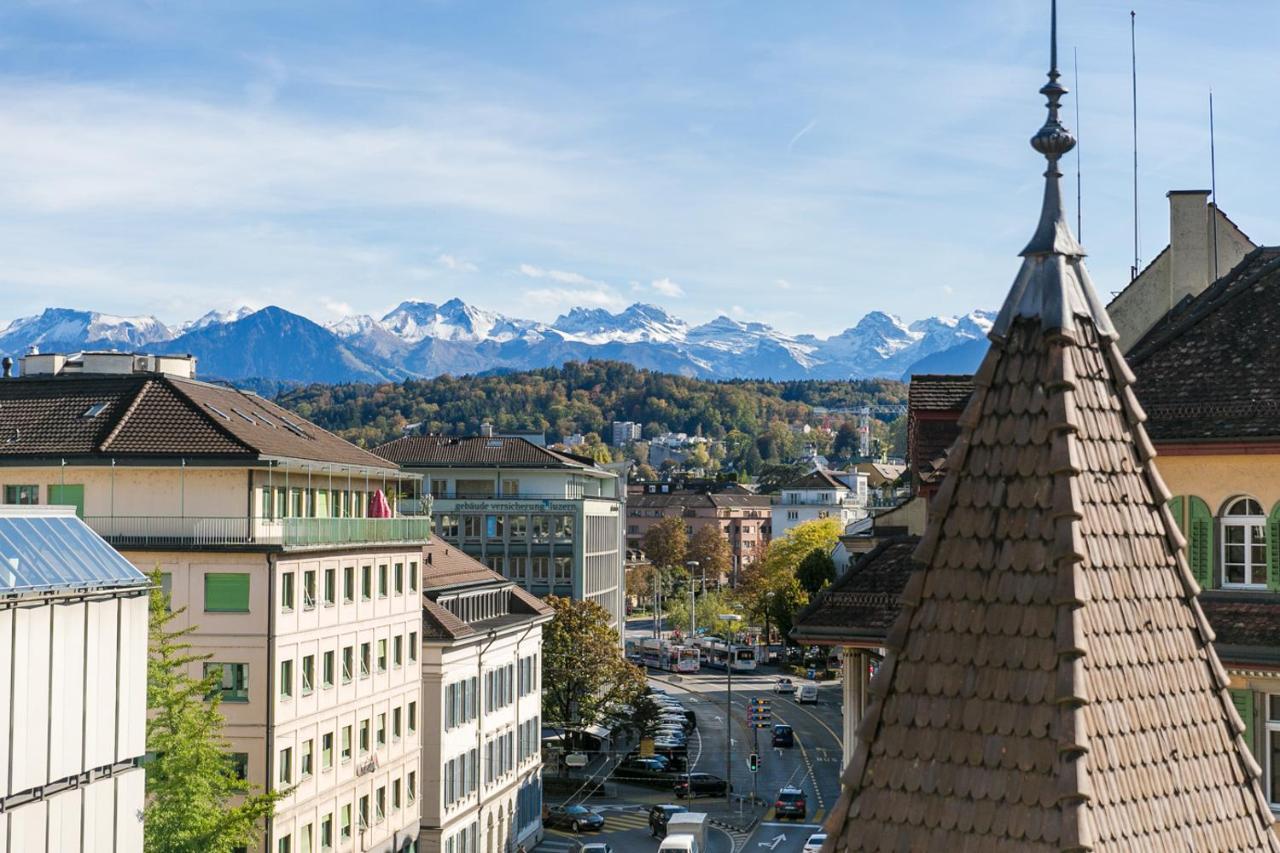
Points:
[195,531]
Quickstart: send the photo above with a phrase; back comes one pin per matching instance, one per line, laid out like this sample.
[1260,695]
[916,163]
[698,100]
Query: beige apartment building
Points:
[744,520]
[283,545]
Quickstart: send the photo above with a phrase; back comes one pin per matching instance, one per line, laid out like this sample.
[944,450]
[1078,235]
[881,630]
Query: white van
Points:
[686,833]
[680,844]
[808,693]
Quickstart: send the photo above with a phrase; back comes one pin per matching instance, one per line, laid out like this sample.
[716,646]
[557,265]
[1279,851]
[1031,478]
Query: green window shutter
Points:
[68,495]
[1273,549]
[226,592]
[1243,700]
[1176,507]
[1200,541]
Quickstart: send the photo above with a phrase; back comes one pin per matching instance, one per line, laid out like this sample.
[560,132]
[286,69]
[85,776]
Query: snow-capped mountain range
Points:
[422,339]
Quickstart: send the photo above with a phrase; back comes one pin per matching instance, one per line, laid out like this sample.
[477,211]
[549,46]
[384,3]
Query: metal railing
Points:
[152,530]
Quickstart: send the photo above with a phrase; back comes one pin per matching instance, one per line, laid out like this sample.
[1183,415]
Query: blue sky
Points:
[797,163]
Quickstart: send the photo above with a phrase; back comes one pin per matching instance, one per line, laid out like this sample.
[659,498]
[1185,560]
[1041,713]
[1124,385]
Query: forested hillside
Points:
[584,398]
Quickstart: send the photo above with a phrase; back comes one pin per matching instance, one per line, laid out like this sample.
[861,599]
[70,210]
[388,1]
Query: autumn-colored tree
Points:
[666,544]
[585,679]
[640,580]
[773,576]
[711,550]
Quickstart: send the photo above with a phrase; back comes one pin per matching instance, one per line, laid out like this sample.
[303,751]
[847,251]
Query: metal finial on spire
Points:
[1053,140]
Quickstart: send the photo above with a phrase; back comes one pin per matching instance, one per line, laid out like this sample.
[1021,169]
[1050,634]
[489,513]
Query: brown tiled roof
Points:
[1208,370]
[440,624]
[930,441]
[939,392]
[474,451]
[863,602]
[819,479]
[530,603]
[1050,683]
[444,566]
[1247,624]
[699,499]
[153,415]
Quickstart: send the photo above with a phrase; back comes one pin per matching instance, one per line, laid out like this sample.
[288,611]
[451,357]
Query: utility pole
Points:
[693,604]
[728,706]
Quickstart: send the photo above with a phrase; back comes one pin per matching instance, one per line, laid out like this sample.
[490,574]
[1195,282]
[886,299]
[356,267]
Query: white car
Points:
[808,694]
[784,685]
[597,847]
[814,844]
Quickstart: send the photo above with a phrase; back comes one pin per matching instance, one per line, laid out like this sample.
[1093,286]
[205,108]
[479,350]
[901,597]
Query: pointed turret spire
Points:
[1053,284]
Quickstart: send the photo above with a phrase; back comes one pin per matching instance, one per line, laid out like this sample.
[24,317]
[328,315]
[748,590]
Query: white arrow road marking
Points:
[773,845]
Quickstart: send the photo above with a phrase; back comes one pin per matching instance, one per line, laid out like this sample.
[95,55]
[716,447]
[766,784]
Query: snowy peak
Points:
[214,318]
[638,322]
[455,320]
[66,328]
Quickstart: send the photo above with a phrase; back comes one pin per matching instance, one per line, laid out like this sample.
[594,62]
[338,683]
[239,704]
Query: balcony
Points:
[150,531]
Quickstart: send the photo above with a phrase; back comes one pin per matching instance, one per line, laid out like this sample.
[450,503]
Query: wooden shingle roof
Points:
[1050,683]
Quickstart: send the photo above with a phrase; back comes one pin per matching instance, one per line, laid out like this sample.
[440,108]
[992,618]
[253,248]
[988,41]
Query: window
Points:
[286,765]
[348,584]
[399,578]
[239,765]
[346,743]
[447,526]
[226,592]
[395,794]
[364,736]
[328,669]
[382,730]
[382,656]
[397,650]
[366,583]
[1244,704]
[364,812]
[326,832]
[326,750]
[494,527]
[233,681]
[286,679]
[396,715]
[510,488]
[309,590]
[413,647]
[413,576]
[379,803]
[1244,545]
[564,568]
[22,495]
[364,660]
[413,717]
[471,526]
[285,844]
[308,674]
[286,592]
[382,581]
[344,821]
[411,787]
[348,663]
[307,757]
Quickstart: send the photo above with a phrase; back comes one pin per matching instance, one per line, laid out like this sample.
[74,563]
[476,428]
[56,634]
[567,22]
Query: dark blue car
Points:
[573,818]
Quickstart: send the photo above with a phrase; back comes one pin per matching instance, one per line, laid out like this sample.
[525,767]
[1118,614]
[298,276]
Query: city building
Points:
[550,521]
[934,404]
[820,494]
[280,542]
[74,697]
[743,519]
[625,432]
[1183,269]
[1050,680]
[482,750]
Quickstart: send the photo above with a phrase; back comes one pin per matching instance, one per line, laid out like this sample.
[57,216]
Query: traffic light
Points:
[753,762]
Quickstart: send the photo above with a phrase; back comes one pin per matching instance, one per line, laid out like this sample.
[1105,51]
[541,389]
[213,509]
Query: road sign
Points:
[812,673]
[753,762]
[646,747]
[576,759]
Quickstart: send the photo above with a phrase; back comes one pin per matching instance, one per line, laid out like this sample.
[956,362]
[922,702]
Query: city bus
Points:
[714,654]
[660,654]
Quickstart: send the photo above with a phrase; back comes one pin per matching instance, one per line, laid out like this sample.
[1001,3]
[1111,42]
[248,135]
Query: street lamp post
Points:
[693,604]
[728,706]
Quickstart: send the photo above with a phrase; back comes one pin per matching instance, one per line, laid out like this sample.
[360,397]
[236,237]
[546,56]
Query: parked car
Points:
[784,686]
[791,803]
[658,817]
[643,768]
[783,736]
[573,818]
[701,784]
[808,694]
[814,844]
[598,847]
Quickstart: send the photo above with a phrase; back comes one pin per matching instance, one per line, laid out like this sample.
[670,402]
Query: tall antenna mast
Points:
[1133,61]
[1213,188]
[1075,62]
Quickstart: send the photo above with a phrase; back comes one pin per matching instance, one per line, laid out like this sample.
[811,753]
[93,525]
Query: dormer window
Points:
[1244,545]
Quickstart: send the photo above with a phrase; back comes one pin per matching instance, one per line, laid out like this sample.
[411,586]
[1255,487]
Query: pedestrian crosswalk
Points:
[615,820]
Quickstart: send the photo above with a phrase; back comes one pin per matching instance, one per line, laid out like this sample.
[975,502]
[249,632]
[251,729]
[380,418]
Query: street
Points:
[812,764]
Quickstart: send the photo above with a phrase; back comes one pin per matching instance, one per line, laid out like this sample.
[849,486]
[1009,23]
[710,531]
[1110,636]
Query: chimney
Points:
[486,430]
[7,365]
[1190,244]
[33,350]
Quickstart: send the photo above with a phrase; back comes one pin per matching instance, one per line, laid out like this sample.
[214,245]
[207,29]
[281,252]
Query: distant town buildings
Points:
[744,520]
[549,521]
[74,676]
[625,432]
[820,494]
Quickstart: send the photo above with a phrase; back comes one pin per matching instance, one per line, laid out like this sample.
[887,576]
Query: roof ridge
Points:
[124,416]
[185,398]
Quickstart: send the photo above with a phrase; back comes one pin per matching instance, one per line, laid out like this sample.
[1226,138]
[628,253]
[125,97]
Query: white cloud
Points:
[556,300]
[562,276]
[336,308]
[667,287]
[455,263]
[783,284]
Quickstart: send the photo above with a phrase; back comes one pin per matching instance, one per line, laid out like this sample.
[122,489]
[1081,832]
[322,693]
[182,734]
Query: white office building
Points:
[821,494]
[73,687]
[482,666]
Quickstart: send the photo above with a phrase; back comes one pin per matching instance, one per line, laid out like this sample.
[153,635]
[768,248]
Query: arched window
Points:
[1244,544]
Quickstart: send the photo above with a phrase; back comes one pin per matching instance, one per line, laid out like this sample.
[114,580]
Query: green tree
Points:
[816,570]
[585,679]
[770,582]
[707,610]
[709,547]
[787,599]
[196,803]
[666,543]
[846,441]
